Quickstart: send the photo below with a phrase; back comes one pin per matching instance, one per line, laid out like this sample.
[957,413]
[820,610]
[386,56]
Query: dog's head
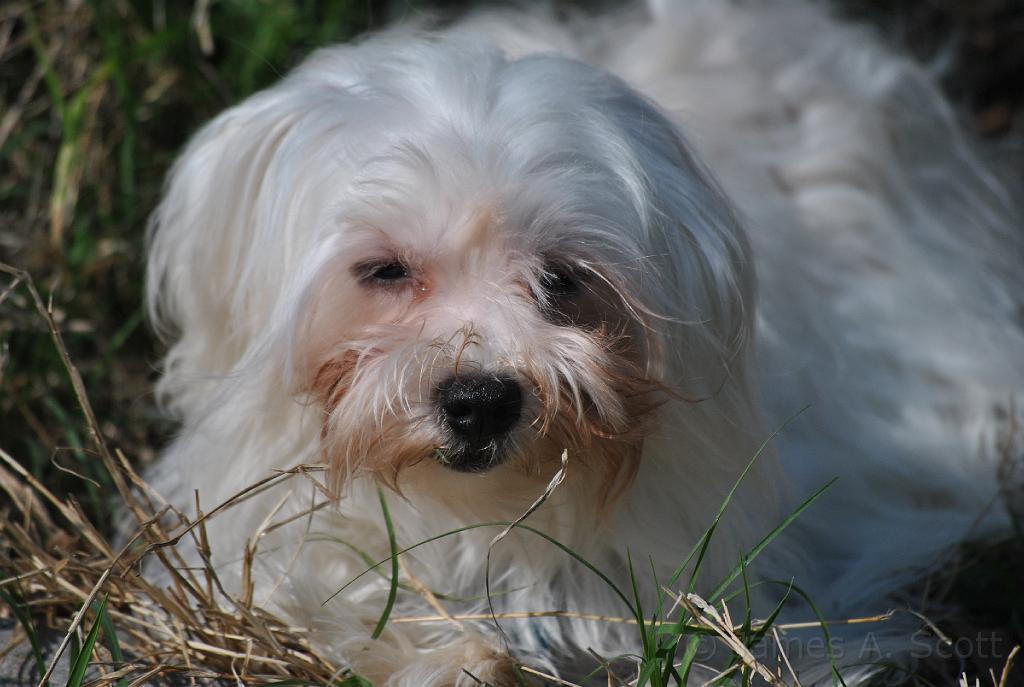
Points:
[482,338]
[473,263]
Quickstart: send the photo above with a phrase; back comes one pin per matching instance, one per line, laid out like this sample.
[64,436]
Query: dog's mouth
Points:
[469,458]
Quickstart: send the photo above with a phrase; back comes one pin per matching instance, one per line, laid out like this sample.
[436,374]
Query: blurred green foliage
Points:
[97,98]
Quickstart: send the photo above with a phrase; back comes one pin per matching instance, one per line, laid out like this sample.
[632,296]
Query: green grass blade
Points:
[393,590]
[686,663]
[648,669]
[74,648]
[81,660]
[760,632]
[348,681]
[659,605]
[689,656]
[373,567]
[702,543]
[744,632]
[19,608]
[769,538]
[638,610]
[354,681]
[837,679]
[706,539]
[110,639]
[649,661]
[669,668]
[587,564]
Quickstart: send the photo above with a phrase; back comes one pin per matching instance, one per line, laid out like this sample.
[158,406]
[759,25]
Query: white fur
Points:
[888,298]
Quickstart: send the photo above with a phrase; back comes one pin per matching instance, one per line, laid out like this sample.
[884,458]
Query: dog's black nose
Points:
[478,408]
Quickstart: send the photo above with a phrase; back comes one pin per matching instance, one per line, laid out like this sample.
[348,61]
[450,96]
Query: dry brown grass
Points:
[61,564]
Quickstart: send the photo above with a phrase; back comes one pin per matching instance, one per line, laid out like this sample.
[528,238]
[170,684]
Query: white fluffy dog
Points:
[435,262]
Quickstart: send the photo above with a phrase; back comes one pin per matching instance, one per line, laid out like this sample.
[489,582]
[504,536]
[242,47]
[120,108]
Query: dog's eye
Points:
[383,273]
[392,271]
[559,281]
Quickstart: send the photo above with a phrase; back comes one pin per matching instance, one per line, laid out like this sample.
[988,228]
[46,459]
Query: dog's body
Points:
[434,267]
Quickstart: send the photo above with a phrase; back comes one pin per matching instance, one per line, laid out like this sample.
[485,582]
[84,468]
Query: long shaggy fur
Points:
[505,151]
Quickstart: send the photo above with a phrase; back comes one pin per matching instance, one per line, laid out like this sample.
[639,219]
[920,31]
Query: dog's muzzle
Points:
[479,411]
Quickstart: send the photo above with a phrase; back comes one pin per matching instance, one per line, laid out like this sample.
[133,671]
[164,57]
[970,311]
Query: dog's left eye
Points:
[559,281]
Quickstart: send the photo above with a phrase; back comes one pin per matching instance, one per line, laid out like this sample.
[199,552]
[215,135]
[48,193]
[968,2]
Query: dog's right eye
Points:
[392,271]
[382,272]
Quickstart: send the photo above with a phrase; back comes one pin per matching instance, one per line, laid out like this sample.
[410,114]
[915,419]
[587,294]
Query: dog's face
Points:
[480,262]
[479,340]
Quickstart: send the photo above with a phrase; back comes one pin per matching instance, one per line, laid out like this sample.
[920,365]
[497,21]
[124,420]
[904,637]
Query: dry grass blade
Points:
[717,678]
[556,481]
[785,657]
[430,597]
[76,381]
[548,677]
[708,617]
[526,615]
[1008,666]
[512,615]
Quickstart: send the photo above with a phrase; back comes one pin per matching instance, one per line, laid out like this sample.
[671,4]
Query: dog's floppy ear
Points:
[704,291]
[241,209]
[207,279]
[710,259]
